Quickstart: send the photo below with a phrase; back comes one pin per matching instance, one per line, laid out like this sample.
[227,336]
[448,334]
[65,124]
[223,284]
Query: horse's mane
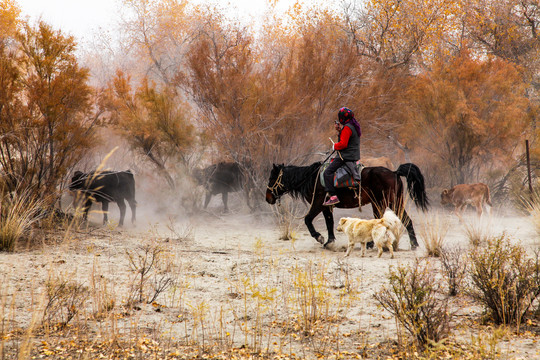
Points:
[300,180]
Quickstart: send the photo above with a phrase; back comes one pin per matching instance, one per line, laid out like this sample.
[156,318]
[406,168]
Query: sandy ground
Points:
[231,273]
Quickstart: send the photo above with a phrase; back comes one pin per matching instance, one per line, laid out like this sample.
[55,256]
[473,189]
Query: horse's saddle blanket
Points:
[343,176]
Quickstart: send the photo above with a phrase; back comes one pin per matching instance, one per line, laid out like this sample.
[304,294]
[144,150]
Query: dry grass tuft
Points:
[287,215]
[433,233]
[531,203]
[479,232]
[18,213]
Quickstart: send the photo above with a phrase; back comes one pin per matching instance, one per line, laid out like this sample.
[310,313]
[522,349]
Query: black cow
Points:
[222,178]
[104,187]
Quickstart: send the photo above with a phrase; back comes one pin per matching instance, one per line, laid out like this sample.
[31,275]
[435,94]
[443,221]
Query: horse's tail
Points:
[415,184]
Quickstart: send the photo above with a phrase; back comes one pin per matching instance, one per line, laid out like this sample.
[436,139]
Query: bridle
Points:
[277,185]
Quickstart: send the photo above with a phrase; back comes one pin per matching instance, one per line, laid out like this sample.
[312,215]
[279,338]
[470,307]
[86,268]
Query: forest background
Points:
[451,85]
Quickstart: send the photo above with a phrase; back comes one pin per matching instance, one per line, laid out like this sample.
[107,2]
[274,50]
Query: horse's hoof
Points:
[414,246]
[333,246]
[320,239]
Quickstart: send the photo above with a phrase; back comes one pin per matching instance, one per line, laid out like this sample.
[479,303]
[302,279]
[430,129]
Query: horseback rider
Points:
[348,150]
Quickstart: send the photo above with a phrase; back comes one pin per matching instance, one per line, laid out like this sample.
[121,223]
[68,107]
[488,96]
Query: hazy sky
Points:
[82,18]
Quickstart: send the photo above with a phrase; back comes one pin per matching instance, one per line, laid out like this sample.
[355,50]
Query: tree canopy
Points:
[447,83]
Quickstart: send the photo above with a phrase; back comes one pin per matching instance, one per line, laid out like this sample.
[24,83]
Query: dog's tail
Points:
[390,218]
[388,213]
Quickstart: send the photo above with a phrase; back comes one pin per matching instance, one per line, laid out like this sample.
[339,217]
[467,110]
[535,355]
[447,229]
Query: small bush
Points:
[454,265]
[65,299]
[412,297]
[504,280]
[183,234]
[150,265]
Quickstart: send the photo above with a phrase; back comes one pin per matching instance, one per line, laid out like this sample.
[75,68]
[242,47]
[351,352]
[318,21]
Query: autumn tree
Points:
[399,32]
[160,33]
[509,29]
[154,122]
[46,111]
[272,100]
[311,73]
[469,115]
[394,40]
[220,80]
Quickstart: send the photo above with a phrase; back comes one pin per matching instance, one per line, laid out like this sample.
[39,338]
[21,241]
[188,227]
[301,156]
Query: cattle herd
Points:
[225,177]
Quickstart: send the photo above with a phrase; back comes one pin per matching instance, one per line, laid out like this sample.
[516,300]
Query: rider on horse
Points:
[348,149]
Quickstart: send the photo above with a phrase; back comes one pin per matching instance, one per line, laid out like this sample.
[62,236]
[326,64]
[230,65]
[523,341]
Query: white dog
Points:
[382,231]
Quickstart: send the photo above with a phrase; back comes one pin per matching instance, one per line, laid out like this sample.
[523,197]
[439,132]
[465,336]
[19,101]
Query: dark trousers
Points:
[329,175]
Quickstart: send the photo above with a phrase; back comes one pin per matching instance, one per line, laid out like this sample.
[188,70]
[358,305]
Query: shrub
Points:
[412,297]
[504,280]
[454,265]
[65,299]
[150,265]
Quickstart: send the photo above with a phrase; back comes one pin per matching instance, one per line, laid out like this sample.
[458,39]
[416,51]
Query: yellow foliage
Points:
[398,29]
[152,119]
[9,18]
[468,113]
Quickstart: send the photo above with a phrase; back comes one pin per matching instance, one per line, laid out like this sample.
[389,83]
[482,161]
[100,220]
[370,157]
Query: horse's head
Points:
[275,186]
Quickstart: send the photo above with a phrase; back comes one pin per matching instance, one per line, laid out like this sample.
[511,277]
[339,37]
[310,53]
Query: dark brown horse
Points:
[381,188]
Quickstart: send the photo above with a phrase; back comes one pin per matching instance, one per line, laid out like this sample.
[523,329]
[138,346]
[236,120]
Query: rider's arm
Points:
[343,139]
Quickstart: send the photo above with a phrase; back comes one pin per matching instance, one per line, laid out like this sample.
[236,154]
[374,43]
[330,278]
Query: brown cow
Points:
[461,195]
[377,161]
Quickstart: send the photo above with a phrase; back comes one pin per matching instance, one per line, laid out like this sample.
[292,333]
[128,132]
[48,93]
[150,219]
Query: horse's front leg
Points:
[308,220]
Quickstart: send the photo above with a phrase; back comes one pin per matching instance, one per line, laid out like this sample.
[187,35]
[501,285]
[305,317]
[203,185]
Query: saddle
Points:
[344,176]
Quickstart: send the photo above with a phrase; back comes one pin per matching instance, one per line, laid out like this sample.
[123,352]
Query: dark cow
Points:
[104,187]
[222,178]
[461,195]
